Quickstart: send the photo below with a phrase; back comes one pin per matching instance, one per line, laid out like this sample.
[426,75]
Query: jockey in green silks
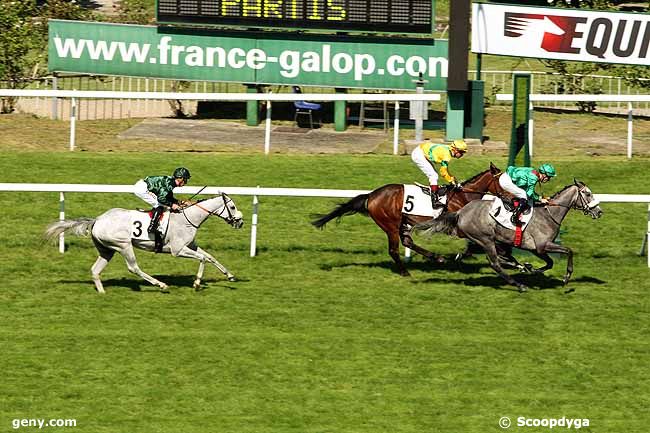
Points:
[158,191]
[521,182]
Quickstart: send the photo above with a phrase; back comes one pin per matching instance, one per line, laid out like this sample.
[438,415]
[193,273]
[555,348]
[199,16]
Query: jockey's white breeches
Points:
[141,191]
[506,183]
[421,160]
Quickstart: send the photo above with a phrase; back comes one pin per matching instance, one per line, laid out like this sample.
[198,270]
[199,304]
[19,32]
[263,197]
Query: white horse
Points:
[118,230]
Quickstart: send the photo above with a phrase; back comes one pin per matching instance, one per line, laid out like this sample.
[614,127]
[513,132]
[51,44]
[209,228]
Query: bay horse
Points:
[475,223]
[121,230]
[384,206]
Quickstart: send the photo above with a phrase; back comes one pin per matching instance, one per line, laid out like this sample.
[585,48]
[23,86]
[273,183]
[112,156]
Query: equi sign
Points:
[562,34]
[262,58]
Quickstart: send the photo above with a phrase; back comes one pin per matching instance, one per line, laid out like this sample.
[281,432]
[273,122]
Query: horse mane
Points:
[577,183]
[476,176]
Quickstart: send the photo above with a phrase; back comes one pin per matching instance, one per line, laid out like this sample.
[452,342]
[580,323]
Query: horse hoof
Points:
[232,278]
[164,289]
[405,274]
[522,288]
[196,285]
[440,260]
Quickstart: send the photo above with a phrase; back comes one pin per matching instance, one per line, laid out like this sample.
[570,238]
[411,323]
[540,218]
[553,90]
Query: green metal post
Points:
[455,124]
[252,107]
[520,119]
[340,113]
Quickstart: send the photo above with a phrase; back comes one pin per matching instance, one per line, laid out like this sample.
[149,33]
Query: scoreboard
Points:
[372,16]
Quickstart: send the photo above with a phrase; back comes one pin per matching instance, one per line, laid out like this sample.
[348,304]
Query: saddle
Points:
[442,190]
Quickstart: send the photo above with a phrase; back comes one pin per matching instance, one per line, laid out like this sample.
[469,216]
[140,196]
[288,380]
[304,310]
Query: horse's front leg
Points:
[199,275]
[547,259]
[194,252]
[216,263]
[555,248]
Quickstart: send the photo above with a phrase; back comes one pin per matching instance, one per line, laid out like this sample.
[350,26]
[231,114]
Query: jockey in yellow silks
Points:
[427,155]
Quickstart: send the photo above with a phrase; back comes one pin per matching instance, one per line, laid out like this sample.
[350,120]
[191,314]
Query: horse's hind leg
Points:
[132,265]
[97,269]
[393,251]
[105,256]
[407,241]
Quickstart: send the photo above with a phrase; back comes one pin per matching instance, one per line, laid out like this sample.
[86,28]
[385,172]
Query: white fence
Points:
[581,98]
[268,97]
[495,82]
[256,192]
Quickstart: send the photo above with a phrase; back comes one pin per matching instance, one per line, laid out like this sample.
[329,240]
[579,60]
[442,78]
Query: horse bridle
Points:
[580,204]
[225,199]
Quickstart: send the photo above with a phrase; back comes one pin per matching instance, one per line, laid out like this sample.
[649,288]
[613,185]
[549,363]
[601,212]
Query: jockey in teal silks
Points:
[521,182]
[158,191]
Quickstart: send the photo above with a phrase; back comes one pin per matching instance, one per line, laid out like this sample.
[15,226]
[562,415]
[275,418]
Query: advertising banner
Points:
[256,58]
[561,34]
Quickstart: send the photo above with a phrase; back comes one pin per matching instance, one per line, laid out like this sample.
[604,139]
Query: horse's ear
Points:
[494,169]
[576,181]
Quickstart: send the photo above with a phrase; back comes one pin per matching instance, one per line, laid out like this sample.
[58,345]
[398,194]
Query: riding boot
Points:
[153,228]
[520,207]
[435,198]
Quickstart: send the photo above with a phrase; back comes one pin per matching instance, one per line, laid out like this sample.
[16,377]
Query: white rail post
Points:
[254,226]
[73,122]
[267,131]
[396,129]
[629,130]
[531,127]
[61,218]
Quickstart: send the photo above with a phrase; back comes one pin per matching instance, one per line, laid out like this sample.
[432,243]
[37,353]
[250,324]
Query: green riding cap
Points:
[182,173]
[547,169]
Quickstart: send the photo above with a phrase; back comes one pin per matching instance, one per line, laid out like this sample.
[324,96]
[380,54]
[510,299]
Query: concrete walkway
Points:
[219,135]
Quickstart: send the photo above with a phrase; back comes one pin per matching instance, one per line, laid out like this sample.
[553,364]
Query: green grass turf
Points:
[320,335]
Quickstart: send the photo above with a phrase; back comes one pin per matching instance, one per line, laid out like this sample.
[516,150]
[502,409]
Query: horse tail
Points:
[447,223]
[78,227]
[359,204]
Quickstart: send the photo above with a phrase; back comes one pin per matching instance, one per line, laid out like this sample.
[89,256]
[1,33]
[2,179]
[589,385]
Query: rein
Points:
[580,203]
[225,199]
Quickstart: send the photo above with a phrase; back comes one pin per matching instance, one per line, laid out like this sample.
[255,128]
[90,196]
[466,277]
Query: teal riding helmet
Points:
[182,173]
[547,169]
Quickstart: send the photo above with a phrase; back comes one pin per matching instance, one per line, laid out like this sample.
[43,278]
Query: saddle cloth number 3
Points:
[140,222]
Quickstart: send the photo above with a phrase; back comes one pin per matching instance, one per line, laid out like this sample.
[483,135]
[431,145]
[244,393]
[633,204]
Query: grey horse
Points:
[474,222]
[112,232]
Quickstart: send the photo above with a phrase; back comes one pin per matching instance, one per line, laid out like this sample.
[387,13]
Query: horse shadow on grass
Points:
[533,281]
[425,266]
[175,282]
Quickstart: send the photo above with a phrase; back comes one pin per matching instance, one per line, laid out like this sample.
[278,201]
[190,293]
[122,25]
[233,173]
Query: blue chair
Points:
[304,108]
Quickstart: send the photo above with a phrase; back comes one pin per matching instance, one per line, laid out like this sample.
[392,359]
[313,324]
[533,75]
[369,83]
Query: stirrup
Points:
[158,242]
